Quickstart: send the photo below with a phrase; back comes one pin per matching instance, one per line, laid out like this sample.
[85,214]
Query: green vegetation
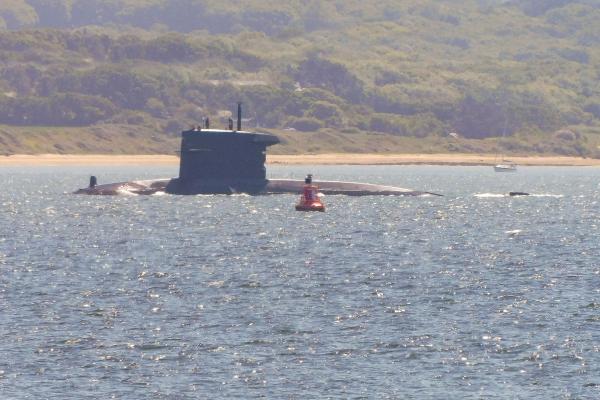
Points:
[312,70]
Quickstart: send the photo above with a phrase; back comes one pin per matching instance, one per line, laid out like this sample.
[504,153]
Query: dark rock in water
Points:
[518,194]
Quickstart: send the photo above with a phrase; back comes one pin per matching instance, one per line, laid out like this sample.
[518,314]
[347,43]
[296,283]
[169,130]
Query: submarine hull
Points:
[270,186]
[337,187]
[217,161]
[215,186]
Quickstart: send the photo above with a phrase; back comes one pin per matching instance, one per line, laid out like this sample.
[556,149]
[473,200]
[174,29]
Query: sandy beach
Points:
[308,159]
[88,159]
[425,159]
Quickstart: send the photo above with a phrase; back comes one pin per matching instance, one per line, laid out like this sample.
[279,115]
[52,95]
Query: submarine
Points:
[215,161]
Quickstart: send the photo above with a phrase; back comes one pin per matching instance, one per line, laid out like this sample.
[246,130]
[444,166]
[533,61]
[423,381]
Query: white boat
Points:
[505,166]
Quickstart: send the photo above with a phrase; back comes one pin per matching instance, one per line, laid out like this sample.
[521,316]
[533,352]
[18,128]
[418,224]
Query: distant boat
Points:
[505,165]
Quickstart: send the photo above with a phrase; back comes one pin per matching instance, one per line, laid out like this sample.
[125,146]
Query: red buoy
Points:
[310,201]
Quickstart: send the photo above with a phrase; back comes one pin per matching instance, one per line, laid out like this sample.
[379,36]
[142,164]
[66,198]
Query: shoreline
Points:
[305,159]
[426,159]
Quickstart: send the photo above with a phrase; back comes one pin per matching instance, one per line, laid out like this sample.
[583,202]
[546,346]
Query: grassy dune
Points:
[101,139]
[136,140]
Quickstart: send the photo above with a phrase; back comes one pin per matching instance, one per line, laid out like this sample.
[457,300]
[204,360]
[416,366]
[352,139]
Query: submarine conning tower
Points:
[217,161]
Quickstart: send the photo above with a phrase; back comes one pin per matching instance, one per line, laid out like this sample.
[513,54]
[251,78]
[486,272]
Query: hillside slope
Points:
[415,70]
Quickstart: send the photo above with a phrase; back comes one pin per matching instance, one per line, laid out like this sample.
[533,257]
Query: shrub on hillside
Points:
[333,76]
[330,114]
[388,123]
[305,124]
[420,125]
[59,109]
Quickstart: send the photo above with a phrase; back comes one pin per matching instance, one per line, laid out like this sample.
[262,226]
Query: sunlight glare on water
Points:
[472,295]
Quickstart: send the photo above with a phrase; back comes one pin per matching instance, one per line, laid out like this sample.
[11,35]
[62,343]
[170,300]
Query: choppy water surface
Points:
[471,295]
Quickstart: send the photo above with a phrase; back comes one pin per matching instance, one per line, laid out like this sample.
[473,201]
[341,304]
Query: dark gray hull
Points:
[226,162]
[346,188]
[272,186]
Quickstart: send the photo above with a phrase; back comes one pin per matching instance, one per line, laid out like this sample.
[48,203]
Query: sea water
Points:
[474,295]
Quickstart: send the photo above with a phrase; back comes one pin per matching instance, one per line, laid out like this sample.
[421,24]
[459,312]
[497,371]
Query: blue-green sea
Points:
[474,295]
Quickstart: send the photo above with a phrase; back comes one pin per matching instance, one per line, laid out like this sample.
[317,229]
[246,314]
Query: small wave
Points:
[514,232]
[489,195]
[151,346]
[556,196]
[498,195]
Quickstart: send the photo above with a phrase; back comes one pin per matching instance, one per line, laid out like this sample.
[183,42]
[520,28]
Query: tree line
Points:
[304,65]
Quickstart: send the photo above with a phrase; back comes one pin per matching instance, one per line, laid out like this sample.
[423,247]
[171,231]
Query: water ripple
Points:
[473,295]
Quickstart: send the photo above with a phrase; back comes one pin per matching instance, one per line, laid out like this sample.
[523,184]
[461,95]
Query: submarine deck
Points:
[273,186]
